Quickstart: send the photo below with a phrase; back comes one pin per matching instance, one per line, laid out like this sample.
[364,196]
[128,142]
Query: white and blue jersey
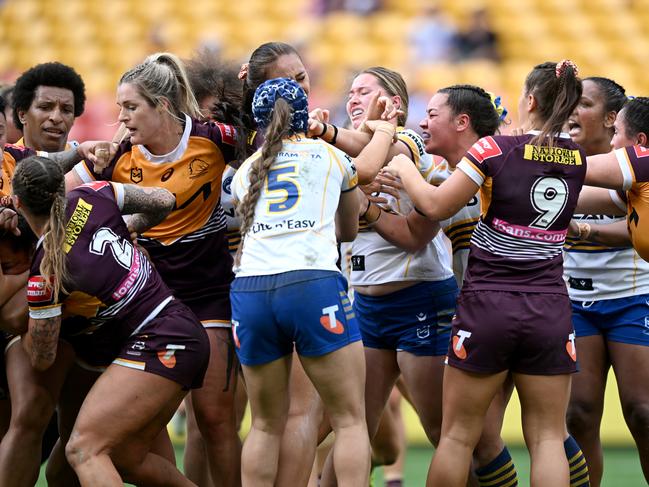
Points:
[288,291]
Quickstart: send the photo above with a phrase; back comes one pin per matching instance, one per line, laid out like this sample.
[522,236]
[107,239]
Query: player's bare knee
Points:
[637,417]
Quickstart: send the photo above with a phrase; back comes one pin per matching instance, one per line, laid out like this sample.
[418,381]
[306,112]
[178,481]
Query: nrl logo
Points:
[136,175]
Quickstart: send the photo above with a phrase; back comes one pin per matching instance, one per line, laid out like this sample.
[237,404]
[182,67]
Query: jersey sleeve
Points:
[634,164]
[477,161]
[239,186]
[414,143]
[18,153]
[225,137]
[346,166]
[106,189]
[40,295]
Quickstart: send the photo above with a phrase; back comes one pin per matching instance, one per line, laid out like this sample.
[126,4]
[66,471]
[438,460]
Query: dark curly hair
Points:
[47,74]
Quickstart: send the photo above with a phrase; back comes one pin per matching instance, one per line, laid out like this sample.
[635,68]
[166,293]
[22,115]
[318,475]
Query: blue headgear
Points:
[287,89]
[500,108]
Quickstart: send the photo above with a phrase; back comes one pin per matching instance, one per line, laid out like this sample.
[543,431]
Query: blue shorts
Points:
[624,320]
[415,320]
[308,308]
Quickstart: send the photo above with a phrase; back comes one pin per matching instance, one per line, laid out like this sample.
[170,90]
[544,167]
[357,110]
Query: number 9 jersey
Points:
[529,194]
[294,222]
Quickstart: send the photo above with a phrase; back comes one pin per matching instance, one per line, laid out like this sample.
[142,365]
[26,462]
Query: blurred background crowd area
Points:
[433,43]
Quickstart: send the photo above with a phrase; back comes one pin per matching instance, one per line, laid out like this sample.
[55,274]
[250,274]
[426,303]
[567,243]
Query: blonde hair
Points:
[40,184]
[394,85]
[278,128]
[162,76]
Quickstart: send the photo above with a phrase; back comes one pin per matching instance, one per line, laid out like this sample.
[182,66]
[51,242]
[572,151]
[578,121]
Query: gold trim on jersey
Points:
[485,195]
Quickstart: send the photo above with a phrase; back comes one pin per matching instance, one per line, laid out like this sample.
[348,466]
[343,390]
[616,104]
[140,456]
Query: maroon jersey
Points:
[190,247]
[12,154]
[110,280]
[529,194]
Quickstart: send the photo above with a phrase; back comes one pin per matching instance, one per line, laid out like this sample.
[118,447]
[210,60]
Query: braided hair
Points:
[279,107]
[40,184]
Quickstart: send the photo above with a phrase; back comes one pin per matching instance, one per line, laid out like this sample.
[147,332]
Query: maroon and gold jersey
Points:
[12,154]
[634,163]
[528,195]
[189,248]
[110,280]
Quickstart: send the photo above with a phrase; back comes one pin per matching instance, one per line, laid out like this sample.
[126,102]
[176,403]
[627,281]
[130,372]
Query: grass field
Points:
[622,467]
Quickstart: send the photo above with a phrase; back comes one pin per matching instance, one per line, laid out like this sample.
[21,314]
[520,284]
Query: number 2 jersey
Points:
[110,280]
[294,220]
[189,248]
[528,193]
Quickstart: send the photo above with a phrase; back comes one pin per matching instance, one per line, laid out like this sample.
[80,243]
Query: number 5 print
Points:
[282,188]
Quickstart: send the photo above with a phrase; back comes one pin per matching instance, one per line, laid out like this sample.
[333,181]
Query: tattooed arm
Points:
[41,341]
[148,206]
[99,153]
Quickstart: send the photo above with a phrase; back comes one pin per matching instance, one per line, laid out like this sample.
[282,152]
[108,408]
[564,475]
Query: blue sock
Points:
[577,463]
[500,472]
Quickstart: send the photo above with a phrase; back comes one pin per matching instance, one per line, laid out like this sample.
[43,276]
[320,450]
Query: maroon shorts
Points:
[213,311]
[173,345]
[528,333]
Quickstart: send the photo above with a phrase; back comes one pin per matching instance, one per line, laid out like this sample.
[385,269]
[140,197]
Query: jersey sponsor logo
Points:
[641,151]
[228,133]
[421,316]
[197,168]
[570,347]
[96,185]
[136,175]
[484,149]
[358,262]
[167,174]
[38,291]
[329,321]
[235,325]
[76,223]
[556,155]
[458,343]
[581,283]
[168,357]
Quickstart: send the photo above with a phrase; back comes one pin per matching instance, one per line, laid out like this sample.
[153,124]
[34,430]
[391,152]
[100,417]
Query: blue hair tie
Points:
[287,89]
[498,106]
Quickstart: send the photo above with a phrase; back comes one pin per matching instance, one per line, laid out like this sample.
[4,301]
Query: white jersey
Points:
[227,203]
[594,272]
[294,222]
[374,260]
[460,226]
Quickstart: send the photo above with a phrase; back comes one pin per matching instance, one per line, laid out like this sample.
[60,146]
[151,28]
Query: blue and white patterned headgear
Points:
[287,89]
